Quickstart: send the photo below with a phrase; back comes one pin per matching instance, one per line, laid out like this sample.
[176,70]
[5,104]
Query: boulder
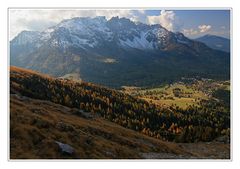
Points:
[65,148]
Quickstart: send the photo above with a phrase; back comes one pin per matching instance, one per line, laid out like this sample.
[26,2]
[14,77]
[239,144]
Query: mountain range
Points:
[215,42]
[117,52]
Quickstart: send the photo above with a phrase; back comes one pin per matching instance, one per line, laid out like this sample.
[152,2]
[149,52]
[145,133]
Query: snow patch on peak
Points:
[87,31]
[138,42]
[46,35]
[49,30]
[81,42]
[160,33]
[84,25]
[26,37]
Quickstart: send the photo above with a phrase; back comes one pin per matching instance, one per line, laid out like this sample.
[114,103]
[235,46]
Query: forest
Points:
[205,122]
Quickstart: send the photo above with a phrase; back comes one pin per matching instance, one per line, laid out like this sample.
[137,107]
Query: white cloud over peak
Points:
[190,32]
[200,30]
[41,19]
[204,28]
[167,19]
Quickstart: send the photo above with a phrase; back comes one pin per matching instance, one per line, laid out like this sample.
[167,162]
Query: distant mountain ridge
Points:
[215,42]
[116,52]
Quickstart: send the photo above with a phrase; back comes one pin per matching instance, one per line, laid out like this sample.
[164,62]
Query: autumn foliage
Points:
[203,123]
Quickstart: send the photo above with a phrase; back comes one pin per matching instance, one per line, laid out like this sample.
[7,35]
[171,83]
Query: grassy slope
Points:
[191,94]
[168,97]
[35,128]
[35,125]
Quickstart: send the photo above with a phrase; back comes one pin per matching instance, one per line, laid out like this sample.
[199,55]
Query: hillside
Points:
[205,122]
[42,129]
[36,125]
[35,129]
[117,52]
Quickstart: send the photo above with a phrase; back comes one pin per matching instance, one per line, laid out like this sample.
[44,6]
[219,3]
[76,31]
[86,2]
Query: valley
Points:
[102,123]
[188,92]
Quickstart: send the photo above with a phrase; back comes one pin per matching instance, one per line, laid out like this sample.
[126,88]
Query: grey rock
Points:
[65,148]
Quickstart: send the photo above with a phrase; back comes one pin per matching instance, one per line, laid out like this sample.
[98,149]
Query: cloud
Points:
[167,19]
[41,19]
[190,32]
[200,30]
[138,16]
[204,28]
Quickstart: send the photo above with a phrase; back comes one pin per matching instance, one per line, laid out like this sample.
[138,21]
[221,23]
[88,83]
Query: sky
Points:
[192,23]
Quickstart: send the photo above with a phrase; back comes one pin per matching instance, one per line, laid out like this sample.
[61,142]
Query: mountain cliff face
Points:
[95,32]
[116,52]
